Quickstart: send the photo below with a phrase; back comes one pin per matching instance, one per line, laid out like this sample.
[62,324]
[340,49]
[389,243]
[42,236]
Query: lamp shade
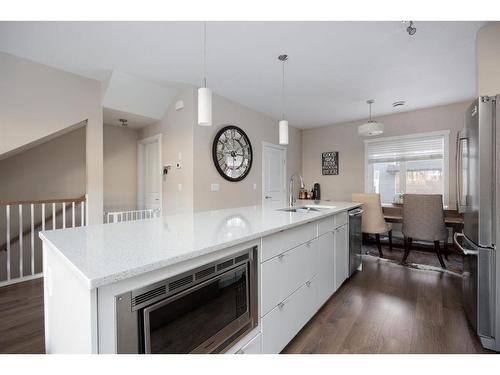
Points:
[204,106]
[283,125]
[371,128]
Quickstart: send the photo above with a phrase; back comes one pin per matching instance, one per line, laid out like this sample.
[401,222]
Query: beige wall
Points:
[120,168]
[181,134]
[488,60]
[259,127]
[37,102]
[177,137]
[344,139]
[55,169]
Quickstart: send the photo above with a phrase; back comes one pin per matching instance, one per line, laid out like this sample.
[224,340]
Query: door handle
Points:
[267,197]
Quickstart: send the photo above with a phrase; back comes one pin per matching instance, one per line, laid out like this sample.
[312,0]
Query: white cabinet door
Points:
[341,255]
[285,273]
[287,319]
[253,347]
[325,267]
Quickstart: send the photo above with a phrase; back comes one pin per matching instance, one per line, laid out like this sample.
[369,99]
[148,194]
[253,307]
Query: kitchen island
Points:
[301,260]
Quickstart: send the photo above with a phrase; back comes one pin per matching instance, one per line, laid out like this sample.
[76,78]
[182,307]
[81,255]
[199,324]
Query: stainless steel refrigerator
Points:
[478,153]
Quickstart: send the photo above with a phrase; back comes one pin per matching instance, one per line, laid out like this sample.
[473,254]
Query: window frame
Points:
[368,188]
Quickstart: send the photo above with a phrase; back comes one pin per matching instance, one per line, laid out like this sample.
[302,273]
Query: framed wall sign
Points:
[330,163]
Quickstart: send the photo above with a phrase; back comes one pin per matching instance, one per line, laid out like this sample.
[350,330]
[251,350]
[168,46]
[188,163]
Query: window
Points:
[416,164]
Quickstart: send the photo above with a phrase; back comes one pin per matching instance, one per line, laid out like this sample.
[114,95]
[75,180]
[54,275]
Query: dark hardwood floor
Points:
[387,308]
[21,318]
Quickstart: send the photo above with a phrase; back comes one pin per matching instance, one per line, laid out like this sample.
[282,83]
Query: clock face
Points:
[232,153]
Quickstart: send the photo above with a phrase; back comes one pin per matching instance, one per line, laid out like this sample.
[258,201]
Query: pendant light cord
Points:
[370,112]
[283,92]
[205,53]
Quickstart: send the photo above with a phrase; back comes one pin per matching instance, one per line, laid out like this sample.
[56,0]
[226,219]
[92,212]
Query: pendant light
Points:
[371,127]
[283,124]
[204,93]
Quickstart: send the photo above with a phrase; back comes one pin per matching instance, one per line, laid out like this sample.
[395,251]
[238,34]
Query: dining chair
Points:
[372,221]
[423,219]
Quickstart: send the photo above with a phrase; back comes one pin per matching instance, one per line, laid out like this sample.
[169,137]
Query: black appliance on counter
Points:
[316,192]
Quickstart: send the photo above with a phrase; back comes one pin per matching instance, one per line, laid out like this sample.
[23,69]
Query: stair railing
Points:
[21,248]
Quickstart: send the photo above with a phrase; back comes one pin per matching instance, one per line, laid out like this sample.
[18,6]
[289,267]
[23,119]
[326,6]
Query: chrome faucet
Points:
[291,199]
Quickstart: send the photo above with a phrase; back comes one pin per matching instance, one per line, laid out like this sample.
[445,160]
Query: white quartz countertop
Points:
[107,253]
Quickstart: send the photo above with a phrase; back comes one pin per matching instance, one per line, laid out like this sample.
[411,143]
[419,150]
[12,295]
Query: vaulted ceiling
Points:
[332,69]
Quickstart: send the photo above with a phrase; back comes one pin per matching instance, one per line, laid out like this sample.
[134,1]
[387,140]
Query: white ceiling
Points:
[333,67]
[112,117]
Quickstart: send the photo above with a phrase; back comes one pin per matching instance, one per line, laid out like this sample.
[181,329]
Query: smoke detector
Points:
[398,103]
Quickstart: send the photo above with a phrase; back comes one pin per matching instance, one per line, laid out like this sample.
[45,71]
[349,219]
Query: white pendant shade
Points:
[204,106]
[371,128]
[283,131]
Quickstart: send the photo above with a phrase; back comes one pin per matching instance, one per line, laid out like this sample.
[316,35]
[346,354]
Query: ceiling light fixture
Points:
[204,93]
[411,30]
[283,124]
[371,127]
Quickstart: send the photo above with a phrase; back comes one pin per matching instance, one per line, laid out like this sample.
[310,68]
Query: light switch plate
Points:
[179,187]
[214,187]
[179,104]
[255,186]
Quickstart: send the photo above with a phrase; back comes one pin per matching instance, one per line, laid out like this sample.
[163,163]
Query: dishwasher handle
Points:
[356,212]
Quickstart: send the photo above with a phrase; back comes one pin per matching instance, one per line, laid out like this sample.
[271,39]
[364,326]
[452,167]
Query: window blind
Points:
[405,149]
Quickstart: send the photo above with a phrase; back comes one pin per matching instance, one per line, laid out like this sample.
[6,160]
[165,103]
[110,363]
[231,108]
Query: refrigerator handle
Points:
[464,251]
[458,163]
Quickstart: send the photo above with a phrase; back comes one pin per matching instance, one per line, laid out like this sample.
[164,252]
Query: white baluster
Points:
[43,216]
[32,239]
[7,216]
[86,209]
[53,216]
[21,240]
[73,214]
[64,214]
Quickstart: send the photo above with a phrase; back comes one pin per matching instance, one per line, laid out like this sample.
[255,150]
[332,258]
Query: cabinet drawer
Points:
[278,243]
[285,273]
[332,222]
[326,225]
[253,347]
[340,219]
[286,320]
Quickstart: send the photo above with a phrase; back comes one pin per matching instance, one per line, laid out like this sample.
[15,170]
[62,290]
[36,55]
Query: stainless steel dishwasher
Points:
[355,239]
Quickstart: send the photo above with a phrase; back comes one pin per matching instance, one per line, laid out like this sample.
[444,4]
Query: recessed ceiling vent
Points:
[399,103]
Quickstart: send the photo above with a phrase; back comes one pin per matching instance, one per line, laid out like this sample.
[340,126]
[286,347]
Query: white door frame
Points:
[277,147]
[140,158]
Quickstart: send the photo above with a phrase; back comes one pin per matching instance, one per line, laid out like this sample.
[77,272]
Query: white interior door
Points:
[149,174]
[273,173]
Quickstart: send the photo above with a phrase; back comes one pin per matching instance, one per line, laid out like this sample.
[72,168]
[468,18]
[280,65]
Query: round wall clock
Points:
[232,153]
